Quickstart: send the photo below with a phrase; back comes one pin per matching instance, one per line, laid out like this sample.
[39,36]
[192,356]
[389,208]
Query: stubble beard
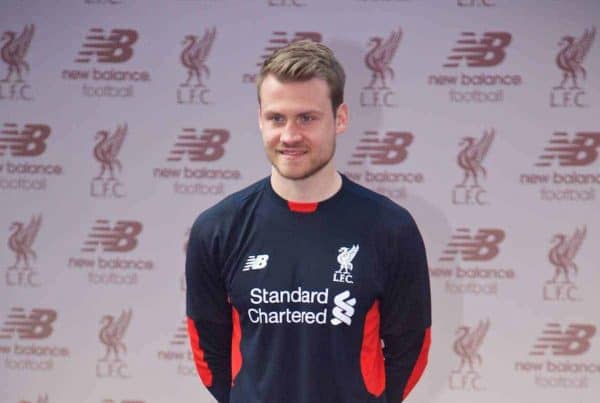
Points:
[312,170]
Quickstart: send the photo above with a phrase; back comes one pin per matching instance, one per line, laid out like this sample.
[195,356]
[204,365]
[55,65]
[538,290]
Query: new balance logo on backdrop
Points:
[116,47]
[344,309]
[29,141]
[122,237]
[35,325]
[574,340]
[257,262]
[181,335]
[206,147]
[486,51]
[281,39]
[581,150]
[386,149]
[483,246]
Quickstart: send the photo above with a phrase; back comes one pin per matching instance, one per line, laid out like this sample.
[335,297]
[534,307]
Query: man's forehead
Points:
[310,94]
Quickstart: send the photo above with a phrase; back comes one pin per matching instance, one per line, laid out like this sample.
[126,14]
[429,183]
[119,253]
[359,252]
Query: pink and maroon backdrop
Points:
[122,120]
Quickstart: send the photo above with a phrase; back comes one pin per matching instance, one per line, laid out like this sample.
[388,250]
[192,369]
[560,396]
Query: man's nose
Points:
[291,133]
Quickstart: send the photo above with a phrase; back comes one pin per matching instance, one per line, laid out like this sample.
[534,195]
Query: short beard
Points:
[311,172]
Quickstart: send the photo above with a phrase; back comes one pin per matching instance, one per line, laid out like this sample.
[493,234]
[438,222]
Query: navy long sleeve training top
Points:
[306,302]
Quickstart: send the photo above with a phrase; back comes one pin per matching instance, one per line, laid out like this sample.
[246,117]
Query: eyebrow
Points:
[306,112]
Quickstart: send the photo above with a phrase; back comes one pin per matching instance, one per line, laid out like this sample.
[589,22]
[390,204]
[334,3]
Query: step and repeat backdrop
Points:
[122,120]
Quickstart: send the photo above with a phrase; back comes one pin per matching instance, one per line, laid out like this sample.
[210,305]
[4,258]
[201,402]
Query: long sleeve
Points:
[406,313]
[209,314]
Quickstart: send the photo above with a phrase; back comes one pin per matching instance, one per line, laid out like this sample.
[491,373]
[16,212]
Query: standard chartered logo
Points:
[344,309]
[299,306]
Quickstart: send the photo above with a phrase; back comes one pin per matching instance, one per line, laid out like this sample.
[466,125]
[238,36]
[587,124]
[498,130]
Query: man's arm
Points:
[208,312]
[406,314]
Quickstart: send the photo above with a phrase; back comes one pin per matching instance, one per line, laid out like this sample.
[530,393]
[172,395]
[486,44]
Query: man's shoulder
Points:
[367,200]
[231,206]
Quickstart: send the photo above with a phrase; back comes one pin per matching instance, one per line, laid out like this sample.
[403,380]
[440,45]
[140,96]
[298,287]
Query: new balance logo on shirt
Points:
[256,262]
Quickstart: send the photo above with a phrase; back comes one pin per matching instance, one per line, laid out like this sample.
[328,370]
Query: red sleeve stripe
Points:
[420,365]
[236,338]
[372,366]
[201,365]
[300,207]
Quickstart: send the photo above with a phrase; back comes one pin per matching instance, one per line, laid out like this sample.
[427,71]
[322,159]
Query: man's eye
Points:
[306,118]
[276,119]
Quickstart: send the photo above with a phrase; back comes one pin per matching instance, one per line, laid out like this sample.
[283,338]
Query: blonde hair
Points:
[302,61]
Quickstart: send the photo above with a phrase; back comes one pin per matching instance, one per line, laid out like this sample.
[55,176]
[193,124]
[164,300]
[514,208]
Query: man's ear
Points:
[341,119]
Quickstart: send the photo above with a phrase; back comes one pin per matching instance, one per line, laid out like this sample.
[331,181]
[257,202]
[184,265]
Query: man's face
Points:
[298,126]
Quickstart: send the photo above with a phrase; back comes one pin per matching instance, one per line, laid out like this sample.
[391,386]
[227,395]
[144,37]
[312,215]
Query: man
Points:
[294,282]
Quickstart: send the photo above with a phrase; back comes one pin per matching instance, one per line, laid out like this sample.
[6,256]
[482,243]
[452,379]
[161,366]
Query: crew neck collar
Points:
[305,207]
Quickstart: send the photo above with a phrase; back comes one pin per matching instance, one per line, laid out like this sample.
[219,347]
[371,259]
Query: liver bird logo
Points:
[471,157]
[380,56]
[571,56]
[21,240]
[345,257]
[467,345]
[107,149]
[14,50]
[194,54]
[562,253]
[111,334]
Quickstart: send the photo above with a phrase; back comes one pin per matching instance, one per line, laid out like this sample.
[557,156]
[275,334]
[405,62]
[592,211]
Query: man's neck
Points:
[315,188]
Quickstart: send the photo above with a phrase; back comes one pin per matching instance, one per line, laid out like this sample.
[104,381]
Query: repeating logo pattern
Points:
[485,51]
[194,148]
[378,59]
[30,141]
[574,340]
[36,325]
[473,55]
[278,40]
[115,47]
[470,160]
[112,333]
[209,146]
[106,151]
[122,237]
[13,86]
[483,246]
[375,159]
[466,346]
[387,149]
[572,159]
[193,57]
[102,64]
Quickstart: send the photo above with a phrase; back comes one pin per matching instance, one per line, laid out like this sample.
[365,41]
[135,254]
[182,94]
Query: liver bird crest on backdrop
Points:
[14,50]
[571,56]
[112,333]
[21,240]
[194,54]
[467,345]
[107,149]
[379,58]
[562,253]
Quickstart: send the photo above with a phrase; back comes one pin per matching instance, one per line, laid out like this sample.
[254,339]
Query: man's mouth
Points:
[292,152]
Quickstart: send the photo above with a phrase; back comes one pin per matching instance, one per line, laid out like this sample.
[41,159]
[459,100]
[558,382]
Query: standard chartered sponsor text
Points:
[262,296]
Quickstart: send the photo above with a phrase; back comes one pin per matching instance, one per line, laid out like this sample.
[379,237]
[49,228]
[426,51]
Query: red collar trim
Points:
[300,207]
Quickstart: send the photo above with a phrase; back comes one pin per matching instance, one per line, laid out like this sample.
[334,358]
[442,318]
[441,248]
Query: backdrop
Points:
[122,120]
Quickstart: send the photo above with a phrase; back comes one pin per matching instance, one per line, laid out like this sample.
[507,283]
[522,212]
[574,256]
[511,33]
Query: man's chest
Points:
[315,277]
